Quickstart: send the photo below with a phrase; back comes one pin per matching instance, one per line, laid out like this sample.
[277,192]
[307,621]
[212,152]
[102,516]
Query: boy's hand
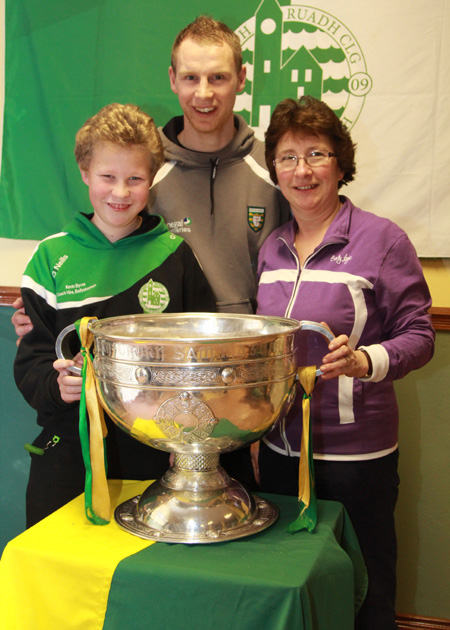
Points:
[21,321]
[69,384]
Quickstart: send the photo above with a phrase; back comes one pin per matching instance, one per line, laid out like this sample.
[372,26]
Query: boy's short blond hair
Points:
[124,125]
[206,30]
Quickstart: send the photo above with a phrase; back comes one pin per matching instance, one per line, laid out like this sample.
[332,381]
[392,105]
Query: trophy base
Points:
[195,507]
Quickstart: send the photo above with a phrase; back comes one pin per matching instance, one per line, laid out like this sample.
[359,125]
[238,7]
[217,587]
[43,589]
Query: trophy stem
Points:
[200,461]
[195,473]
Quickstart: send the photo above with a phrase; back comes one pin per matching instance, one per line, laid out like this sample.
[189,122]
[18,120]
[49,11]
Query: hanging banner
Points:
[383,67]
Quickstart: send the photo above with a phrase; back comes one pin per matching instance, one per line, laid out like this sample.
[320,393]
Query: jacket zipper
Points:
[288,311]
[300,269]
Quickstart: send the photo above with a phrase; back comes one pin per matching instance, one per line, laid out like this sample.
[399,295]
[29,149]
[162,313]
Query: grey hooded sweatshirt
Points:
[224,205]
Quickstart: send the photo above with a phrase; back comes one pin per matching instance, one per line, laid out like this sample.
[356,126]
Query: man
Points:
[214,189]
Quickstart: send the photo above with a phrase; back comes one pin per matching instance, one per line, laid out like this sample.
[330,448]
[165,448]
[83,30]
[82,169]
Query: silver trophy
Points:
[195,385]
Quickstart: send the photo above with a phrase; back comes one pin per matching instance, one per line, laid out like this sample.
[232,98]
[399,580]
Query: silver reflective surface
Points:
[196,385]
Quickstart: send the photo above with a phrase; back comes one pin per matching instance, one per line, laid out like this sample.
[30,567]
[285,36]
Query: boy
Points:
[103,264]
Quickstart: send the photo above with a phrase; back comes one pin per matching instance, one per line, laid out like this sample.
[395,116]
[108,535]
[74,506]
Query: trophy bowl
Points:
[195,385]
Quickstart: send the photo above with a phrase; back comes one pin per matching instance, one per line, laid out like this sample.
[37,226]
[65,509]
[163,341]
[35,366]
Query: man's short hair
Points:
[206,30]
[124,125]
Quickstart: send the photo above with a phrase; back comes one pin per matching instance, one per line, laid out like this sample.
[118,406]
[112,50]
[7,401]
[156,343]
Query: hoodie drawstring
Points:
[212,177]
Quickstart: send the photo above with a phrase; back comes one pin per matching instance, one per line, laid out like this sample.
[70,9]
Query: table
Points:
[65,573]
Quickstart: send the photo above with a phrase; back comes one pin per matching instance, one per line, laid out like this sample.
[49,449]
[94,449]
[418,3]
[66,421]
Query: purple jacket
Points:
[364,280]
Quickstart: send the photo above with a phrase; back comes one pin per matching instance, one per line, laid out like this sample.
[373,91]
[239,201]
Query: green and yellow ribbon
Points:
[307,519]
[97,500]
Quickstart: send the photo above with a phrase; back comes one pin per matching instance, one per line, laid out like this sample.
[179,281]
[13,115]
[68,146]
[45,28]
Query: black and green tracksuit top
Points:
[79,272]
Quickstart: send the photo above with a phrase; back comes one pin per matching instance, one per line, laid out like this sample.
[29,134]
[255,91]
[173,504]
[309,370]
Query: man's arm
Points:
[34,374]
[21,322]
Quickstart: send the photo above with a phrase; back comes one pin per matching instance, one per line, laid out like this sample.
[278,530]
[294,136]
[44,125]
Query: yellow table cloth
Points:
[65,573]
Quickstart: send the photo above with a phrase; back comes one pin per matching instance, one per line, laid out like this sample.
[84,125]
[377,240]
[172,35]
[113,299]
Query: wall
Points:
[437,274]
[423,510]
[17,426]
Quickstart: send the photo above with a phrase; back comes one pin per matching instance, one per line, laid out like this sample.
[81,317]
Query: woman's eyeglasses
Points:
[313,159]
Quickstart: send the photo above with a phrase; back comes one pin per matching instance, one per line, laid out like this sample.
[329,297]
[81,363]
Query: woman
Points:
[360,274]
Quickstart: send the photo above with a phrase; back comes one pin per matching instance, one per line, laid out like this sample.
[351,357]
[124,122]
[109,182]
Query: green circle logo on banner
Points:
[294,50]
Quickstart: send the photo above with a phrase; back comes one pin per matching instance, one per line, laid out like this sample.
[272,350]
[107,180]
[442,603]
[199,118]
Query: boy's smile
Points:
[119,180]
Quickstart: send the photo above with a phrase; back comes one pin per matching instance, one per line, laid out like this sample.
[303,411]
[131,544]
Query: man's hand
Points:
[21,322]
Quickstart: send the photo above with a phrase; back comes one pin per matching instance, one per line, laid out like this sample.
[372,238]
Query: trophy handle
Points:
[314,326]
[64,347]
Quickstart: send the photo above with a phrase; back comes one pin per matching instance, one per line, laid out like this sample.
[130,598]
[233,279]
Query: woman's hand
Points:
[342,360]
[69,384]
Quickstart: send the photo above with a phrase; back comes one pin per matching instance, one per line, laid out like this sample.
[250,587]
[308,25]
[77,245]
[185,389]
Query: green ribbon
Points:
[92,429]
[307,518]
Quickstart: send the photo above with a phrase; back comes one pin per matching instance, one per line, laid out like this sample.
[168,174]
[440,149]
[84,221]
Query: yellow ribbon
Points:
[307,378]
[101,504]
[307,518]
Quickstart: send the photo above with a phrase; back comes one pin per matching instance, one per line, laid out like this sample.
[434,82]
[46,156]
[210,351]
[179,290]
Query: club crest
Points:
[256,218]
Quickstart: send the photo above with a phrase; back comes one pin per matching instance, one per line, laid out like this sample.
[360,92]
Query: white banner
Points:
[395,58]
